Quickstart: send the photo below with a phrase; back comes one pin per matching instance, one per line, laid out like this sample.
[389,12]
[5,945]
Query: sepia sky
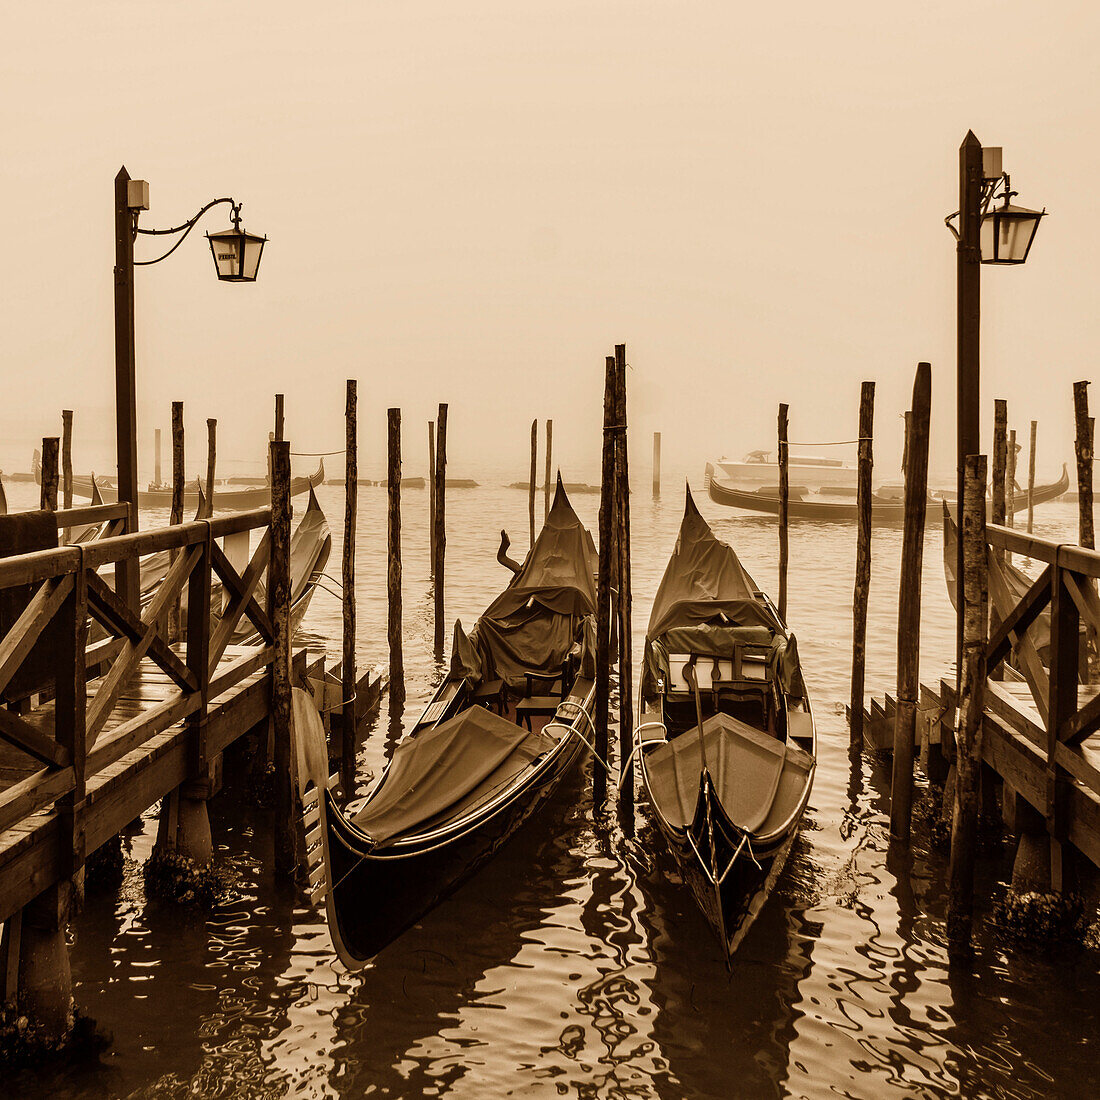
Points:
[473,203]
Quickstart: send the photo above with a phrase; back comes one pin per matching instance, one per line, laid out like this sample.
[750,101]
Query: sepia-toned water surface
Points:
[574,964]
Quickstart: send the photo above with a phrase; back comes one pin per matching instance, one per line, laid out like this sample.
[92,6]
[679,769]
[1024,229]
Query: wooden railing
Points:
[69,738]
[1067,587]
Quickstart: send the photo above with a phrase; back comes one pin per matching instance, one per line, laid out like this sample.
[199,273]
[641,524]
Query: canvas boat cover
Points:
[535,622]
[441,768]
[758,780]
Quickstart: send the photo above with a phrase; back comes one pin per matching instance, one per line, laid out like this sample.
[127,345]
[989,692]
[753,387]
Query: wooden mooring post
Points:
[863,561]
[1083,447]
[48,494]
[280,421]
[1031,478]
[393,569]
[278,609]
[175,629]
[440,526]
[549,470]
[1010,488]
[431,498]
[603,589]
[348,668]
[784,494]
[623,610]
[909,603]
[656,465]
[974,598]
[1000,460]
[66,458]
[532,487]
[211,462]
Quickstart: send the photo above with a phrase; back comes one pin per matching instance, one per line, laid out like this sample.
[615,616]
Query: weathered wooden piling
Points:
[623,611]
[431,498]
[393,570]
[211,462]
[531,488]
[1083,447]
[603,588]
[974,593]
[176,514]
[348,668]
[1000,459]
[784,494]
[440,524]
[1031,478]
[48,496]
[66,458]
[280,424]
[45,978]
[909,603]
[1010,481]
[863,561]
[656,465]
[549,470]
[278,609]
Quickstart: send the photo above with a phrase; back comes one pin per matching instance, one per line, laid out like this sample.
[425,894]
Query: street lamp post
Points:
[986,235]
[236,259]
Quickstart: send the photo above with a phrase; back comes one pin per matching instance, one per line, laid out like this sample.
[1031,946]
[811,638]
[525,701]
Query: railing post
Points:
[278,596]
[70,708]
[1064,664]
[175,627]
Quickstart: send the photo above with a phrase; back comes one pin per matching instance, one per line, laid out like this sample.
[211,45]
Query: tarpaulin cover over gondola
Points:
[706,604]
[534,623]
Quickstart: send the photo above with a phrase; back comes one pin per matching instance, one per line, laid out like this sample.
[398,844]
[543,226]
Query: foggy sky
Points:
[473,203]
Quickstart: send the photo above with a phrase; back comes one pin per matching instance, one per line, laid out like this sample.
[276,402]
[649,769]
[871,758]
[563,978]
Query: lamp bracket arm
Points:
[185,229]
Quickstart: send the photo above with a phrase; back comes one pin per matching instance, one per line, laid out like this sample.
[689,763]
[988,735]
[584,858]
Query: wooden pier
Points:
[1040,727]
[104,714]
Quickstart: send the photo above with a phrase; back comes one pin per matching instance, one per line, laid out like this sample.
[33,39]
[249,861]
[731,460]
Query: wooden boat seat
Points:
[745,767]
[491,695]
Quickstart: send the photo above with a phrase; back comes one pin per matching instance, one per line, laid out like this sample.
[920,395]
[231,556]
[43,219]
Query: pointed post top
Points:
[970,140]
[122,174]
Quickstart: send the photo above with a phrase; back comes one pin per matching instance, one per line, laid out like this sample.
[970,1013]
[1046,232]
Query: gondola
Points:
[507,724]
[885,509]
[726,737]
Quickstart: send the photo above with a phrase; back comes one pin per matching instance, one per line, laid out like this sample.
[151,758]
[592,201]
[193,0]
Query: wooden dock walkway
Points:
[106,708]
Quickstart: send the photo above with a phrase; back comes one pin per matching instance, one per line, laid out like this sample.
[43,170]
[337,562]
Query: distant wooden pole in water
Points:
[534,477]
[975,595]
[67,458]
[1010,488]
[1083,445]
[909,601]
[393,572]
[175,631]
[784,494]
[1031,478]
[431,498]
[211,458]
[348,668]
[51,444]
[622,545]
[863,561]
[656,465]
[1000,459]
[278,598]
[440,523]
[549,470]
[279,420]
[603,588]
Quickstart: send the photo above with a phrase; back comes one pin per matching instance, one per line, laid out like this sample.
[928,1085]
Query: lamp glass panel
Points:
[226,249]
[253,247]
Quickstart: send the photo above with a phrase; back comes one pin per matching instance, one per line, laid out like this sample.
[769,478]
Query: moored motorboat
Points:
[726,736]
[506,725]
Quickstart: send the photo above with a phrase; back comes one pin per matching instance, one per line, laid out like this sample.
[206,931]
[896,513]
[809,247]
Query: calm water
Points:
[574,965]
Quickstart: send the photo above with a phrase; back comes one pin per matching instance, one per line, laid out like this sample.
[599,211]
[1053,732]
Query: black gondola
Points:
[726,736]
[507,724]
